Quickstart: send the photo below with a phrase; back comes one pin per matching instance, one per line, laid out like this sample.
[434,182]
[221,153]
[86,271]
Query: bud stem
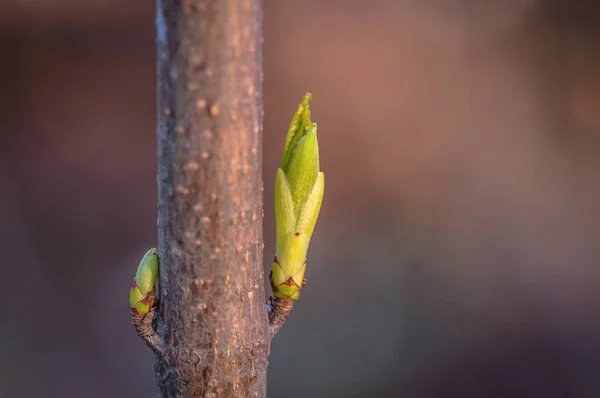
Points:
[278,309]
[145,329]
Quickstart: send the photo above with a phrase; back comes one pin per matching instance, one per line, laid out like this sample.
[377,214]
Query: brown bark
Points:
[211,317]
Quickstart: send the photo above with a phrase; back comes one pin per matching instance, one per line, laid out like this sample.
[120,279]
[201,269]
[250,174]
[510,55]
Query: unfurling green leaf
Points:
[299,187]
[142,292]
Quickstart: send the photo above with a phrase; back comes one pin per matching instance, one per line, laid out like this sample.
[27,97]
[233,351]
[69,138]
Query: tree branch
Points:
[211,313]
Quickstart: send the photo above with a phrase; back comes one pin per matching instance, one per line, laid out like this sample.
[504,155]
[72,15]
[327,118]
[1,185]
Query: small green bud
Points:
[299,187]
[142,293]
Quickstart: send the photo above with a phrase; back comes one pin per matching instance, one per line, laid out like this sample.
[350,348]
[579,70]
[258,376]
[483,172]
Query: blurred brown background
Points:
[457,252]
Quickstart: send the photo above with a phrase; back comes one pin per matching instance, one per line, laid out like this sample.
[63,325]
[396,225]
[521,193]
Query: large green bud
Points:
[142,292]
[299,187]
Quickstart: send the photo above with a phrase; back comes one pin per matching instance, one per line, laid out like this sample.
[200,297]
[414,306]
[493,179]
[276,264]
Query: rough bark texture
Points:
[211,315]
